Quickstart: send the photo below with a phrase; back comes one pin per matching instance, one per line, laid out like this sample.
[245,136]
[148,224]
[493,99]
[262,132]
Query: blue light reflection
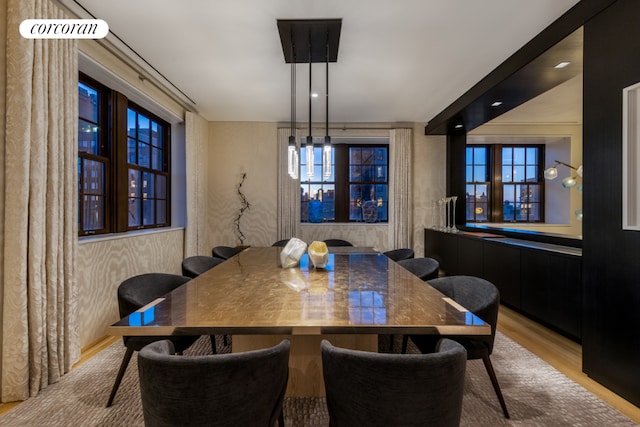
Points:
[141,318]
[366,307]
[472,319]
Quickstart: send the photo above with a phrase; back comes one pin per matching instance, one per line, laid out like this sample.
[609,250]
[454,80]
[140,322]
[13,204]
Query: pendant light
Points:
[568,182]
[295,35]
[326,150]
[292,149]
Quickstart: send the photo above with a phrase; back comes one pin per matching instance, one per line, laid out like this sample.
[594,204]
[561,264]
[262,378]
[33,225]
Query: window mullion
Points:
[121,163]
[342,183]
[496,184]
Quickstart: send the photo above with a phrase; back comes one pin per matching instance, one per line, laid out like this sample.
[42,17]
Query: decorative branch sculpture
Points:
[245,205]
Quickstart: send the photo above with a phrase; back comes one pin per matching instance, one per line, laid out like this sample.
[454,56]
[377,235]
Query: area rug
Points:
[536,395]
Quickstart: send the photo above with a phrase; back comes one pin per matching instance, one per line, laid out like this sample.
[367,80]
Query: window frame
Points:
[318,180]
[539,182]
[487,182]
[116,147]
[496,184]
[105,157]
[371,183]
[123,165]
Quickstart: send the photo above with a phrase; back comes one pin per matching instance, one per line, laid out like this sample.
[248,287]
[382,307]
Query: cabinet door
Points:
[470,256]
[502,268]
[552,289]
[443,247]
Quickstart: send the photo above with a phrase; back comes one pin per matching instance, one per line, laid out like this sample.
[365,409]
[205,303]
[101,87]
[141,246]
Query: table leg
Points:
[305,360]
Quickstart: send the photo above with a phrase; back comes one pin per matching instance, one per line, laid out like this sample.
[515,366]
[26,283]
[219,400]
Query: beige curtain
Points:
[288,192]
[196,130]
[401,190]
[40,340]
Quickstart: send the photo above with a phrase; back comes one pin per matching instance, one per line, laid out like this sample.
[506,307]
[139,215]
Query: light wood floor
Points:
[560,352]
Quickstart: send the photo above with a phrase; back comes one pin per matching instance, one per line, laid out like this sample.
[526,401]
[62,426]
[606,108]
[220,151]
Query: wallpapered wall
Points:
[360,234]
[234,148]
[429,180]
[103,264]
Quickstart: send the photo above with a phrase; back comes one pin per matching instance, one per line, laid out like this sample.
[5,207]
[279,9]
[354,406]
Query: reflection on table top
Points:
[251,294]
[351,250]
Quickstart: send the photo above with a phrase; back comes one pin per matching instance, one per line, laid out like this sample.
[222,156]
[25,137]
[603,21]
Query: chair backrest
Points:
[194,266]
[424,268]
[337,242]
[281,243]
[400,254]
[235,389]
[224,252]
[477,295]
[388,389]
[138,291]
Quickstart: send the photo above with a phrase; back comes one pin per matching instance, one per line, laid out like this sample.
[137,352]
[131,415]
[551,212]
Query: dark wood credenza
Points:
[541,280]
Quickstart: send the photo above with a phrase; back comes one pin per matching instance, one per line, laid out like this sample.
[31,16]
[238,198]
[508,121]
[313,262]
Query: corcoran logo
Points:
[64,28]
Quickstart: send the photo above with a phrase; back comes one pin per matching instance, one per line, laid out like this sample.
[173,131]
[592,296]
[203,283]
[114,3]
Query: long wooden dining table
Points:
[359,295]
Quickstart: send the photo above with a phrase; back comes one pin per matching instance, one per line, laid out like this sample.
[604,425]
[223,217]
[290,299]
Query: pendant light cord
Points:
[326,57]
[293,99]
[309,137]
[293,88]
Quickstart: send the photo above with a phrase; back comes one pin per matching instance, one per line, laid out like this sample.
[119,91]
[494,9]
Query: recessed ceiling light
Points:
[496,104]
[562,65]
[314,95]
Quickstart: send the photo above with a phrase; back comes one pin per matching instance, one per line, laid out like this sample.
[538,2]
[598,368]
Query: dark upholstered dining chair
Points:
[234,389]
[400,254]
[384,389]
[424,268]
[136,292]
[224,252]
[194,266]
[482,298]
[337,242]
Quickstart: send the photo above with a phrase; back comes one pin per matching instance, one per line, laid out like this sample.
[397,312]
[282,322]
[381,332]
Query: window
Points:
[317,193]
[478,185]
[94,158]
[147,170]
[512,190]
[521,184]
[123,163]
[356,191]
[368,186]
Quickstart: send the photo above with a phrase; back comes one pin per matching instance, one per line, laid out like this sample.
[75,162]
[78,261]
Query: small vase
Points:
[433,215]
[318,254]
[453,227]
[447,217]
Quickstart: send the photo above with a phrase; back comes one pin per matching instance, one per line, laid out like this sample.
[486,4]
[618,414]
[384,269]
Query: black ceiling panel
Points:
[299,37]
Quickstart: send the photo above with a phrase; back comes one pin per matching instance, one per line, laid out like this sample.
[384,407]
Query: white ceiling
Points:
[398,61]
